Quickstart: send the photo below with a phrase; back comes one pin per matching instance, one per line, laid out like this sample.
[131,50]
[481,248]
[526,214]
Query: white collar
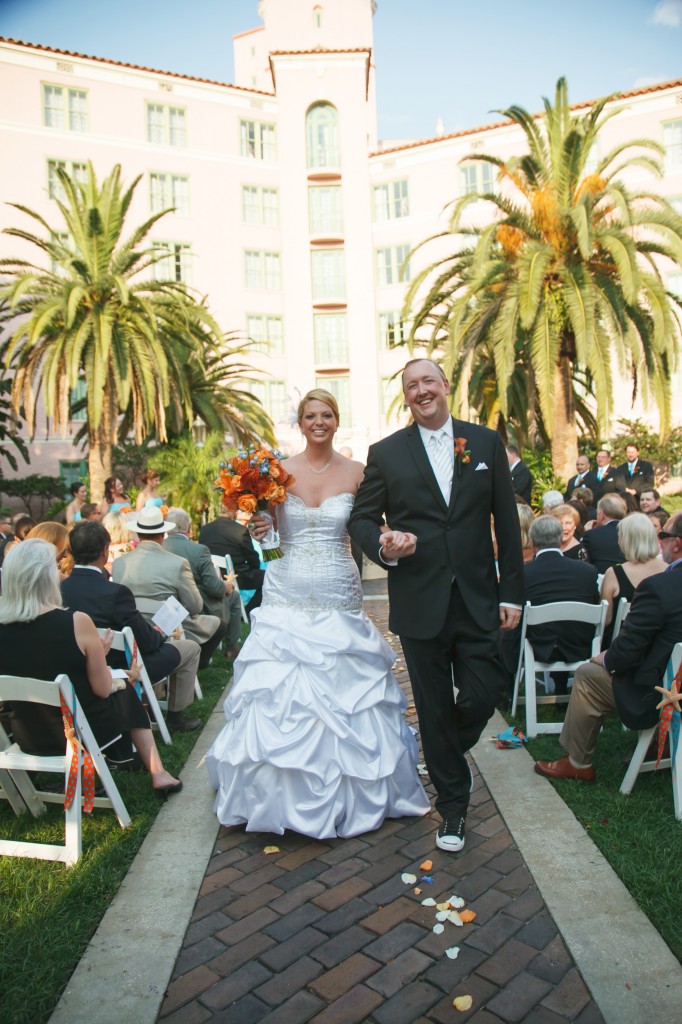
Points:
[426,433]
[543,551]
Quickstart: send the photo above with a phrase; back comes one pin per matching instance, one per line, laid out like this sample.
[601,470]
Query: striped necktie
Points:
[442,455]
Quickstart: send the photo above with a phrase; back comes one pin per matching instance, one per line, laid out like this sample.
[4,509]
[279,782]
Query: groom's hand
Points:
[396,544]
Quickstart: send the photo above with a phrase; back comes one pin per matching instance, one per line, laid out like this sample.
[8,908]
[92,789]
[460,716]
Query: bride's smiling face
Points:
[318,422]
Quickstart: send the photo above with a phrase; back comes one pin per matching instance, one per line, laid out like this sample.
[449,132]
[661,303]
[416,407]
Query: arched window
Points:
[317,16]
[322,134]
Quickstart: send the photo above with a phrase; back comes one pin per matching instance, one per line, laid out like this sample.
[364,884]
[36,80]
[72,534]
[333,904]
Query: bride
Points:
[315,740]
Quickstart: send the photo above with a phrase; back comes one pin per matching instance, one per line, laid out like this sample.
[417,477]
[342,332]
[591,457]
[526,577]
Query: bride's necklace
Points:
[318,471]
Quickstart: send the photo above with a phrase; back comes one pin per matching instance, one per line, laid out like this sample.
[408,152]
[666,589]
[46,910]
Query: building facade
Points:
[289,214]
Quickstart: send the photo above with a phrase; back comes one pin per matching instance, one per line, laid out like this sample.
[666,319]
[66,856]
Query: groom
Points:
[436,484]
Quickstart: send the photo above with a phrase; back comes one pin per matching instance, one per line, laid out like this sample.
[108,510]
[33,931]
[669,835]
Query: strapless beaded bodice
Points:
[317,571]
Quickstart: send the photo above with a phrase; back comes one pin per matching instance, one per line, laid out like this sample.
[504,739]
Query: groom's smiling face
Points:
[426,393]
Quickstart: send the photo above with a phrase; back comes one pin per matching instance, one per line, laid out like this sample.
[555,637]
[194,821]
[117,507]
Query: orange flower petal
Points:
[467,916]
[426,866]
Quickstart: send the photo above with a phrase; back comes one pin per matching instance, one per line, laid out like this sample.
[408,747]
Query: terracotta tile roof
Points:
[134,67]
[674,83]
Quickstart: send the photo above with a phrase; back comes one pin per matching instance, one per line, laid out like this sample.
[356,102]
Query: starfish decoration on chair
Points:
[669,697]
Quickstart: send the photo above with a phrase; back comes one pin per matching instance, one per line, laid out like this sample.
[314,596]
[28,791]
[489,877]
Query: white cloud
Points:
[668,12]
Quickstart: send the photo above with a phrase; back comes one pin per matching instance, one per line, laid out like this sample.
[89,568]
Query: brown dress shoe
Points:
[563,769]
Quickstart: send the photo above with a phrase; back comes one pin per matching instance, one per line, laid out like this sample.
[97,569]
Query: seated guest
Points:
[79,494]
[122,540]
[659,517]
[550,500]
[584,477]
[571,546]
[39,638]
[112,606]
[90,511]
[220,596]
[601,541]
[526,520]
[22,527]
[57,534]
[624,677]
[638,474]
[586,496]
[154,575]
[548,578]
[223,536]
[637,539]
[583,516]
[650,501]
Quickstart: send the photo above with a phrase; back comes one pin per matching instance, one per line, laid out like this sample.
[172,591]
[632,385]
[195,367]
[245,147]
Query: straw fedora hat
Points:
[148,520]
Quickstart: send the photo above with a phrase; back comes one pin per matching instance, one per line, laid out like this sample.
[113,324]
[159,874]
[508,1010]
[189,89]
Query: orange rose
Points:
[246,503]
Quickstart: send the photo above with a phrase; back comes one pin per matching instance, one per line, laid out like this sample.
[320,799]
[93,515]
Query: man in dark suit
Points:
[601,541]
[521,476]
[608,480]
[584,477]
[437,483]
[624,677]
[650,501]
[637,473]
[223,536]
[551,577]
[112,606]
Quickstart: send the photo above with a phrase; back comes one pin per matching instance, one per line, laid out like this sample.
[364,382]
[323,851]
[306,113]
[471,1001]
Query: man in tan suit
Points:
[154,575]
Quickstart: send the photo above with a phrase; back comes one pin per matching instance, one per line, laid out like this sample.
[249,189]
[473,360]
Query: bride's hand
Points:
[259,526]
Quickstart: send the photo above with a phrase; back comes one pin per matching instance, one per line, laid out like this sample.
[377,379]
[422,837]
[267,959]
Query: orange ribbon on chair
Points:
[88,766]
[666,718]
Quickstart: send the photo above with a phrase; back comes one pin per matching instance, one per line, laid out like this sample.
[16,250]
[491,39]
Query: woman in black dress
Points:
[40,639]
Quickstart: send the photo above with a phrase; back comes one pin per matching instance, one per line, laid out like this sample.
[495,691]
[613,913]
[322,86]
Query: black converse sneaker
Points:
[450,835]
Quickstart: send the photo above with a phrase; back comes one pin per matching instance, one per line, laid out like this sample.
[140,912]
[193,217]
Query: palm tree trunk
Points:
[99,453]
[564,434]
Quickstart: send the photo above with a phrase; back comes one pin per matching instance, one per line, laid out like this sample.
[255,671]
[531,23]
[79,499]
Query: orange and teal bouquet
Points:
[250,481]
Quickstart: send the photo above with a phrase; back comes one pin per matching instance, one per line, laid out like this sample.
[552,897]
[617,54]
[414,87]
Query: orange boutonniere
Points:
[462,453]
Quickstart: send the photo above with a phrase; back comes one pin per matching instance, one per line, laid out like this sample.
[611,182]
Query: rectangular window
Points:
[328,271]
[78,395]
[477,177]
[65,108]
[391,201]
[176,265]
[166,126]
[267,332]
[331,339]
[340,389]
[672,140]
[260,205]
[391,265]
[75,169]
[257,140]
[262,269]
[325,211]
[273,397]
[70,471]
[391,390]
[393,330]
[167,191]
[63,238]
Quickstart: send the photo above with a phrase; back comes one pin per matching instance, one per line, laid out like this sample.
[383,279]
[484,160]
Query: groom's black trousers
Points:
[465,655]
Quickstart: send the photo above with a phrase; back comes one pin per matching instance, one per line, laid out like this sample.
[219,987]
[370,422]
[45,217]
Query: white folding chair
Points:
[223,563]
[638,764]
[15,764]
[124,641]
[528,666]
[621,612]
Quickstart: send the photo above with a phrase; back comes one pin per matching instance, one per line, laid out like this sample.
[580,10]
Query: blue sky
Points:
[449,59]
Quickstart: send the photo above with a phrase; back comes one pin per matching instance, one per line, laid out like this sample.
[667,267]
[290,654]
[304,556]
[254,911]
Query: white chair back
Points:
[621,612]
[124,641]
[224,563]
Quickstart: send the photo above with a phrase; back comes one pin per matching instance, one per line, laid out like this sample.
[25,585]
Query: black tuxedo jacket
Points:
[452,540]
[602,546]
[589,480]
[225,537]
[641,480]
[522,481]
[612,482]
[551,577]
[112,606]
[639,654]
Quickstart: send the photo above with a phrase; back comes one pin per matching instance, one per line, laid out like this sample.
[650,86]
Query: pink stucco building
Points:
[291,215]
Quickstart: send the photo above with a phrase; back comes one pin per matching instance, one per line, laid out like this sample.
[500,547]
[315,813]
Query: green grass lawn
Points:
[48,912]
[638,834]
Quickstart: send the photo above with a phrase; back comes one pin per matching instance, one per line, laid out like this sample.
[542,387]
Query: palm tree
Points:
[566,273]
[9,424]
[189,472]
[91,317]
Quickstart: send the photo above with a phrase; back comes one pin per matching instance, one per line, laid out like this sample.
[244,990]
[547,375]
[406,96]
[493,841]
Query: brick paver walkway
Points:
[328,932]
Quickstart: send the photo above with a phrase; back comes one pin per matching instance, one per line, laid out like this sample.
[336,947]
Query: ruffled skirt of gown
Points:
[315,739]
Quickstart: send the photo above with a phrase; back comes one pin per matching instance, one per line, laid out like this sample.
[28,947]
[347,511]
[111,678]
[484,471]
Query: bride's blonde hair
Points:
[318,395]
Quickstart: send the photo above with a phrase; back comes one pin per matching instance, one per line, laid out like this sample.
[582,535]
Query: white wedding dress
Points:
[315,740]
